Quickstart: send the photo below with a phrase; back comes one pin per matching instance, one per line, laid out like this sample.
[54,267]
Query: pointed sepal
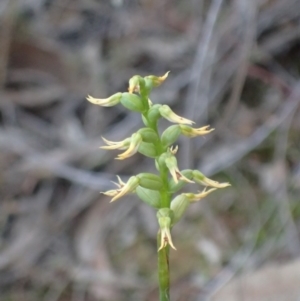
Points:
[106,102]
[200,178]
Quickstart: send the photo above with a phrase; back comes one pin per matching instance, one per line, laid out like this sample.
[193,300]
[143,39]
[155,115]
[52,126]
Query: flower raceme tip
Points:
[143,180]
[151,81]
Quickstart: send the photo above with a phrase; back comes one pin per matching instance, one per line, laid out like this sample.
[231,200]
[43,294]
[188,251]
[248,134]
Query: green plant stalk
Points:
[163,254]
[163,272]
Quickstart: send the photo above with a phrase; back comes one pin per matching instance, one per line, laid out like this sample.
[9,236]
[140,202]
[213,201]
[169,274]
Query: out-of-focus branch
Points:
[228,155]
[6,26]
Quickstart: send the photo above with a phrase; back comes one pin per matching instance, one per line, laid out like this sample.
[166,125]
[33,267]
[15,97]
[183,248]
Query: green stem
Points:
[163,272]
[164,193]
[163,254]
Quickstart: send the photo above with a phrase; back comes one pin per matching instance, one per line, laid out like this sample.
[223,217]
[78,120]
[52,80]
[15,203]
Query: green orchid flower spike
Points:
[157,190]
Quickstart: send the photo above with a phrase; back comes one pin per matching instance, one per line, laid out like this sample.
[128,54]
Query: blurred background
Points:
[234,64]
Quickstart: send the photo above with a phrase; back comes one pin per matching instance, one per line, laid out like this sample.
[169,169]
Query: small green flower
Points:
[123,188]
[130,144]
[164,217]
[135,142]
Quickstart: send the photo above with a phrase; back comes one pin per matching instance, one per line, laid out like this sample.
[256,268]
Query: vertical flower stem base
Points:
[163,271]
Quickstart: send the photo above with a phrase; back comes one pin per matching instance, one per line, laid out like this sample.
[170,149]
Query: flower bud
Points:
[132,102]
[147,149]
[150,181]
[165,217]
[200,178]
[150,197]
[170,135]
[106,102]
[153,81]
[148,135]
[179,205]
[167,113]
